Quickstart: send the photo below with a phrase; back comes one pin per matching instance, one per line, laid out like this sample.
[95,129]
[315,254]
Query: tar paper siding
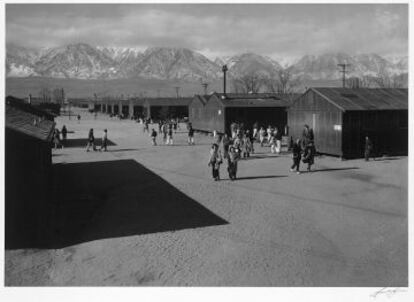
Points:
[209,117]
[322,116]
[28,188]
[387,129]
[197,114]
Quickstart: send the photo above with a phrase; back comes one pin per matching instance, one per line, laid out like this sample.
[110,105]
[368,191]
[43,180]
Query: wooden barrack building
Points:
[28,175]
[218,111]
[342,117]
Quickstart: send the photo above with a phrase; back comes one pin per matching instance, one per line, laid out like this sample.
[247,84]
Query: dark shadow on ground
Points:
[251,157]
[384,158]
[331,169]
[82,142]
[181,145]
[260,177]
[122,150]
[108,199]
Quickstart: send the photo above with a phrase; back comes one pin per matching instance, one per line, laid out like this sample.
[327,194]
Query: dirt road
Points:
[151,215]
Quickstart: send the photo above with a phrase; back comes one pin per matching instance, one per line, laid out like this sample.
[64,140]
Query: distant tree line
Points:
[281,82]
[383,79]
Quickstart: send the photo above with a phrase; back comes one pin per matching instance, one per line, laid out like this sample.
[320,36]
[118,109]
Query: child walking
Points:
[215,162]
[91,141]
[170,135]
[296,156]
[262,134]
[309,154]
[104,141]
[191,136]
[232,159]
[368,148]
[154,137]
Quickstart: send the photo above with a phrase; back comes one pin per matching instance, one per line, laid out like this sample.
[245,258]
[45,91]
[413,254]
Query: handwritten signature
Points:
[389,292]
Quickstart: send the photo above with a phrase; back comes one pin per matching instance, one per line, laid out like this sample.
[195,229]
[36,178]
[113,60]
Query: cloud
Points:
[276,30]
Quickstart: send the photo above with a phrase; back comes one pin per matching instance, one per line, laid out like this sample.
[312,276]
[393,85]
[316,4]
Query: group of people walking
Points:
[91,141]
[303,149]
[58,140]
[241,145]
[232,155]
[167,129]
[272,136]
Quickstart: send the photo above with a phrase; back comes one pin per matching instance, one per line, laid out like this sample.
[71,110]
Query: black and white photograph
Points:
[230,145]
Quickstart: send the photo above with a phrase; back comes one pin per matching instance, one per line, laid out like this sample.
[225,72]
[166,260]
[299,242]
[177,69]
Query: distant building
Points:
[80,102]
[161,108]
[28,174]
[218,111]
[138,107]
[34,108]
[342,117]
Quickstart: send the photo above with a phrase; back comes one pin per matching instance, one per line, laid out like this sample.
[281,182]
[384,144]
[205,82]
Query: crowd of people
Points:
[241,144]
[167,128]
[226,148]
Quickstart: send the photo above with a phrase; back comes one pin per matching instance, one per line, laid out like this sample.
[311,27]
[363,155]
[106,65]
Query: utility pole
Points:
[177,91]
[205,85]
[343,71]
[224,69]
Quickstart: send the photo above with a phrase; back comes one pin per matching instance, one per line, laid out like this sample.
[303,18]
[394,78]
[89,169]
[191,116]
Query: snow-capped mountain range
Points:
[83,61]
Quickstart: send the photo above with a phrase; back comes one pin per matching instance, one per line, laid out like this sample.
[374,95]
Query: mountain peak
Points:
[81,60]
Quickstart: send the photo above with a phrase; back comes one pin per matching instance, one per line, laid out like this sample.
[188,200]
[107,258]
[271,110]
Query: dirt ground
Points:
[142,215]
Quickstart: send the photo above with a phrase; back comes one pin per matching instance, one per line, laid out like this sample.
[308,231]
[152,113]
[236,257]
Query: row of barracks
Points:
[29,204]
[341,118]
[154,108]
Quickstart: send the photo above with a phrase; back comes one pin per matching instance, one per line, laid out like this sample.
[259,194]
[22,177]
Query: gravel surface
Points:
[157,218]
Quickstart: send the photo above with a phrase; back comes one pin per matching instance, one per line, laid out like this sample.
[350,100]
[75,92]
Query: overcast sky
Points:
[276,30]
